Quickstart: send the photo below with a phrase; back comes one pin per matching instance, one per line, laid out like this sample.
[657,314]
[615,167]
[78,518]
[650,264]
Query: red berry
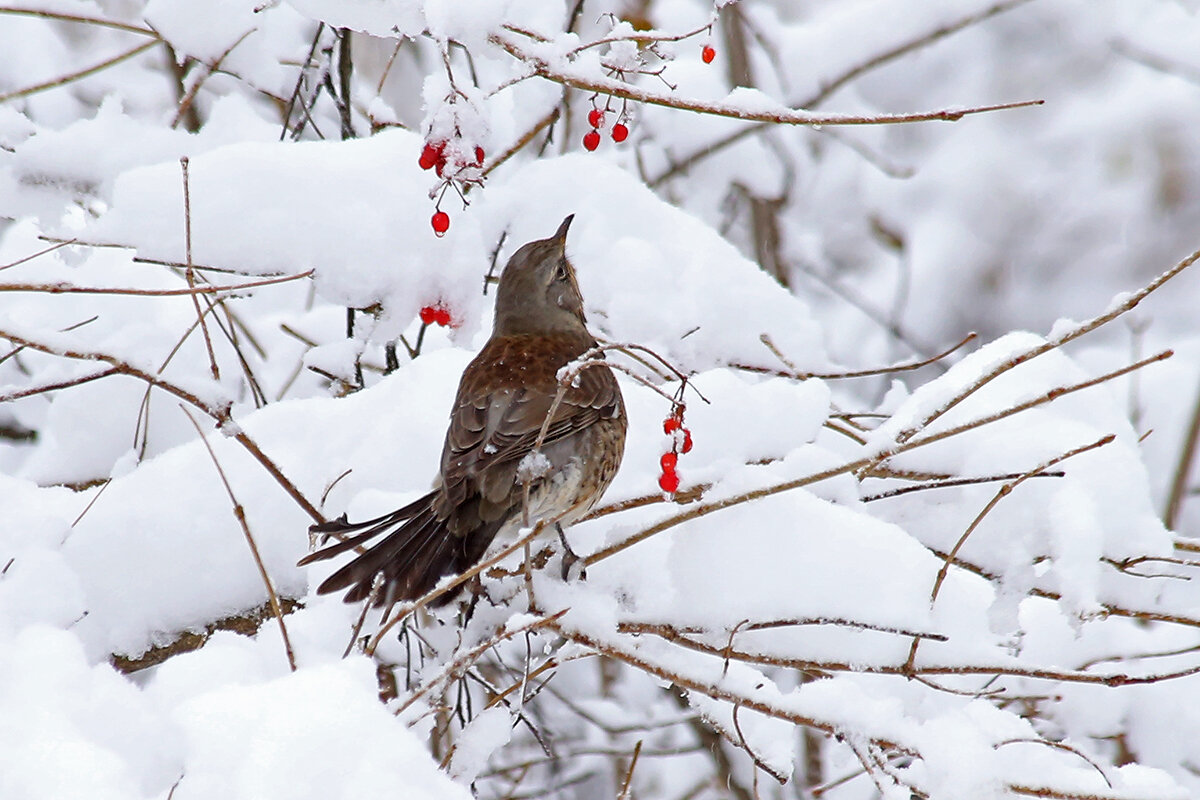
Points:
[441,316]
[620,133]
[669,482]
[591,140]
[440,222]
[708,54]
[429,155]
[596,118]
[671,424]
[478,156]
[428,315]
[668,462]
[687,441]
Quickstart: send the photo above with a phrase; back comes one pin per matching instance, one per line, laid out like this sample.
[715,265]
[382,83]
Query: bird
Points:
[493,477]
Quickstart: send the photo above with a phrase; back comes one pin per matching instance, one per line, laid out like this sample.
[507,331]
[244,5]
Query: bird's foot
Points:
[570,558]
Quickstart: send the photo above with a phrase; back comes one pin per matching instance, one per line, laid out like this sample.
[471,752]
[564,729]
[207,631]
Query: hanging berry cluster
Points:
[445,157]
[436,314]
[452,151]
[596,119]
[627,56]
[681,442]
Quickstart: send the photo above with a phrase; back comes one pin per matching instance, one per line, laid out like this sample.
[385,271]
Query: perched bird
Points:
[504,397]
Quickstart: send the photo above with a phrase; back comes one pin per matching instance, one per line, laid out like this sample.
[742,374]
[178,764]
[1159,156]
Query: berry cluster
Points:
[619,132]
[438,314]
[441,157]
[435,156]
[681,442]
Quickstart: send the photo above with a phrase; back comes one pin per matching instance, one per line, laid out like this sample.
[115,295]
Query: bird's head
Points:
[538,292]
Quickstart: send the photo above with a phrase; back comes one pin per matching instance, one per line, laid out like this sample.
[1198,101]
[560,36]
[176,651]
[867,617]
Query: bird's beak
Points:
[560,235]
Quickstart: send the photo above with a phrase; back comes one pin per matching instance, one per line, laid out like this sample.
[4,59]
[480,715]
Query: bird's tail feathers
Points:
[353,534]
[415,552]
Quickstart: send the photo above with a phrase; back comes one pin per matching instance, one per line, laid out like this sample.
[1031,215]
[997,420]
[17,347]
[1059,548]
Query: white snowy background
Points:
[1024,622]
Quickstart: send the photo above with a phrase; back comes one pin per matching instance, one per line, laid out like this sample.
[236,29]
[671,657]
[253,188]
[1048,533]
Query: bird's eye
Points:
[561,273]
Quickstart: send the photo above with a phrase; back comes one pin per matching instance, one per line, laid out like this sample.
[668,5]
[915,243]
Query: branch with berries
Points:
[529,48]
[681,444]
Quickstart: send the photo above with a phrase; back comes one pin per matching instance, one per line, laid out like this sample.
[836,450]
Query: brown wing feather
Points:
[497,417]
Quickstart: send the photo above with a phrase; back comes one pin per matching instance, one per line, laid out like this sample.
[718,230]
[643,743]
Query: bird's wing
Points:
[491,432]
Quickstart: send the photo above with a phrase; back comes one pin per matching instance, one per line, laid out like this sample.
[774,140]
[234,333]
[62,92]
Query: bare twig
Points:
[1060,746]
[190,273]
[793,372]
[74,76]
[1050,395]
[948,482]
[38,254]
[240,514]
[525,138]
[67,288]
[625,787]
[219,411]
[828,88]
[783,116]
[185,108]
[80,18]
[30,391]
[1183,467]
[406,610]
[465,659]
[1000,494]
[687,162]
[1126,304]
[861,465]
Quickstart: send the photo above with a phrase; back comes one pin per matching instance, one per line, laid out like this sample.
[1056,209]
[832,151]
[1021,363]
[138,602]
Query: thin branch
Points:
[782,116]
[1108,609]
[727,652]
[781,777]
[792,372]
[38,254]
[30,391]
[527,137]
[407,609]
[1183,467]
[219,412]
[1052,394]
[240,514]
[83,73]
[80,18]
[854,466]
[687,162]
[185,103]
[625,787]
[190,272]
[667,630]
[943,484]
[828,88]
[463,660]
[67,288]
[638,661]
[1001,493]
[1128,303]
[1060,746]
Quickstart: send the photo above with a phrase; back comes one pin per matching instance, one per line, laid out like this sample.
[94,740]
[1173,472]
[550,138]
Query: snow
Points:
[532,466]
[376,17]
[970,639]
[486,733]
